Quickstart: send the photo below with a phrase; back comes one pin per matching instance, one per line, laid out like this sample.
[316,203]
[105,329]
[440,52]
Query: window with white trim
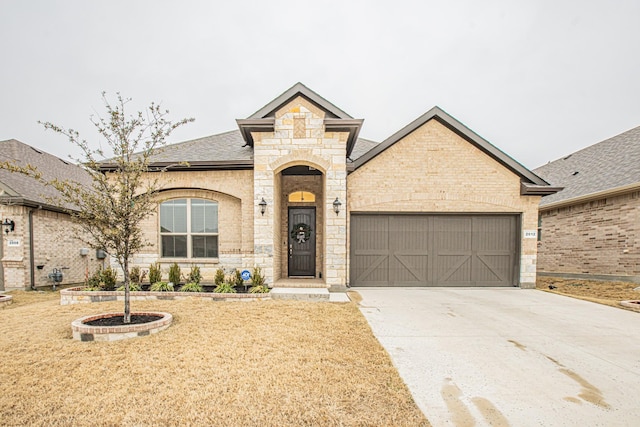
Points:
[189,228]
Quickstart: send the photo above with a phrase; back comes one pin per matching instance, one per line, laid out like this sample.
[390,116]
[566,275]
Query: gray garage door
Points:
[434,250]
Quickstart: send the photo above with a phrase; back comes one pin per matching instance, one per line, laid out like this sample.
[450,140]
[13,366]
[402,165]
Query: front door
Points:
[302,242]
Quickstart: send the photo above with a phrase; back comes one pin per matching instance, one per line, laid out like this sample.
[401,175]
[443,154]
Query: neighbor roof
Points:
[610,165]
[23,190]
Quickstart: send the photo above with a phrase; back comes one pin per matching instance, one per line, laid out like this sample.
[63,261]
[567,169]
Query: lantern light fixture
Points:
[263,206]
[336,206]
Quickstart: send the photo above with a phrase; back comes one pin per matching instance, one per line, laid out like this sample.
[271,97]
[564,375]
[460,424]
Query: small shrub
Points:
[133,287]
[260,289]
[194,275]
[257,279]
[174,273]
[137,276]
[161,287]
[103,279]
[226,287]
[219,277]
[155,273]
[237,278]
[258,282]
[191,287]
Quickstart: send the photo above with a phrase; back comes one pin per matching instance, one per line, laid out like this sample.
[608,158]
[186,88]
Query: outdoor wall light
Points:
[263,206]
[336,206]
[9,225]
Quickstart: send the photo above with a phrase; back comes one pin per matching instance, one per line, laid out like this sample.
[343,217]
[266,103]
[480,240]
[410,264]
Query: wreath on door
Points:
[301,232]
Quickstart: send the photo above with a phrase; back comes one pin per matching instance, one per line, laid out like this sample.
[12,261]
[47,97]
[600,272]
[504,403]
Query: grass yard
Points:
[608,293]
[269,363]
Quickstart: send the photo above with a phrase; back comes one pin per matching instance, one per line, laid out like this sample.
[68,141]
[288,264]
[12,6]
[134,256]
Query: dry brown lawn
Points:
[608,293]
[269,363]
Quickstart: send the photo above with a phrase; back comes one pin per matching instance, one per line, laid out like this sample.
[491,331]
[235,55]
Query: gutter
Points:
[32,266]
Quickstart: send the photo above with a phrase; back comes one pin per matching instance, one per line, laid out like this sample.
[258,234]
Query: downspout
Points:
[32,274]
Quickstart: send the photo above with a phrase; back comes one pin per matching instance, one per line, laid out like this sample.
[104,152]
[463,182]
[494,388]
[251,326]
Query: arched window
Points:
[302,196]
[189,228]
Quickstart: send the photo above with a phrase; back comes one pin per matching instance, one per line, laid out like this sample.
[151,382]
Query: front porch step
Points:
[300,283]
[300,294]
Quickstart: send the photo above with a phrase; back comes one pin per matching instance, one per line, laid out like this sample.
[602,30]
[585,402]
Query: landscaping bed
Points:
[79,295]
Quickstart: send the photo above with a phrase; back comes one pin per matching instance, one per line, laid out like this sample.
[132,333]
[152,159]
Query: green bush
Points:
[102,280]
[136,275]
[261,289]
[155,273]
[174,273]
[219,277]
[161,287]
[226,287]
[237,278]
[257,279]
[191,287]
[258,282]
[194,275]
[133,287]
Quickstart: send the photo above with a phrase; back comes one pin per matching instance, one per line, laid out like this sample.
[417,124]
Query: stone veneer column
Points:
[299,138]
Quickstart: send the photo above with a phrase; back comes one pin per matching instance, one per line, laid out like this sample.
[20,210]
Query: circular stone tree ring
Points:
[84,331]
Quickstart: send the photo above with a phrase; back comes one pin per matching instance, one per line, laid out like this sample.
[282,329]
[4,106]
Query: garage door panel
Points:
[433,250]
[409,269]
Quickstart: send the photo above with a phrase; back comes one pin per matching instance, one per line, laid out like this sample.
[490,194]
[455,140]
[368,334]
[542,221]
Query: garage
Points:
[434,250]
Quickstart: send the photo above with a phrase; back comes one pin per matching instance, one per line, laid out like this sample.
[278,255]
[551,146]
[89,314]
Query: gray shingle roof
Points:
[227,147]
[607,165]
[19,188]
[224,147]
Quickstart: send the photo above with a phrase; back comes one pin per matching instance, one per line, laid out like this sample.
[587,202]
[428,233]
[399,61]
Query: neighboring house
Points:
[296,192]
[42,237]
[592,227]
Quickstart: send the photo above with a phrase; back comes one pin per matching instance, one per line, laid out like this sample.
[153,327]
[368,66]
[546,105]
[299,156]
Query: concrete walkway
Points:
[510,357]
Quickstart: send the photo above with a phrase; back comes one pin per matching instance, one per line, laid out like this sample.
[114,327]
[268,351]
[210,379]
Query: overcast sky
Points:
[538,79]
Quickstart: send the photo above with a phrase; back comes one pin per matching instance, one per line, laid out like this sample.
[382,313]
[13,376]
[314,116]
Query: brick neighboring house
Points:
[43,237]
[591,229]
[296,192]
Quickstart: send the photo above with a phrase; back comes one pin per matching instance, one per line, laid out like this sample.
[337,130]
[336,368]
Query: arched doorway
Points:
[301,224]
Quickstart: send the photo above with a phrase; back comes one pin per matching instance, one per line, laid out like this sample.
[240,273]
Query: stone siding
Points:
[598,237]
[434,170]
[299,138]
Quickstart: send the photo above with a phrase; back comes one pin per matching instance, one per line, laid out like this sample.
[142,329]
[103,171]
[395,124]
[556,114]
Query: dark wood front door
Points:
[302,241]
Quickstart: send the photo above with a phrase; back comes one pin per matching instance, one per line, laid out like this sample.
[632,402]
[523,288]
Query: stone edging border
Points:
[631,304]
[5,300]
[83,332]
[77,296]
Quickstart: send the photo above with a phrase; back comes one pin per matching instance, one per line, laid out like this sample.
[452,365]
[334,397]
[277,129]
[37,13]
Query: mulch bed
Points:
[136,319]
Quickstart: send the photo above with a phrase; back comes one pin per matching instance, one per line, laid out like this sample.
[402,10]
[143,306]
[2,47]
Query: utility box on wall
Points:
[100,254]
[84,251]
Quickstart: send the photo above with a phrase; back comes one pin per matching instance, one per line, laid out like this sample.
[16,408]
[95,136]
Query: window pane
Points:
[204,246]
[204,216]
[174,246]
[173,216]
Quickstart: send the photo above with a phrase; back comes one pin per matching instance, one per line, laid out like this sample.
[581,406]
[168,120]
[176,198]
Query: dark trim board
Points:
[420,249]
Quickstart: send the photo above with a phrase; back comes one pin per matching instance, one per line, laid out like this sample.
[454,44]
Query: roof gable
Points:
[532,182]
[269,110]
[335,119]
[604,167]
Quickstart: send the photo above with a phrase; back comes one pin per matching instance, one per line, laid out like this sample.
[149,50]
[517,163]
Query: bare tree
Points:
[122,190]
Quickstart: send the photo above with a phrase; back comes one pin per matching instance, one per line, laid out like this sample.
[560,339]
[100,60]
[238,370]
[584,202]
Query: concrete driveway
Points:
[510,357]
